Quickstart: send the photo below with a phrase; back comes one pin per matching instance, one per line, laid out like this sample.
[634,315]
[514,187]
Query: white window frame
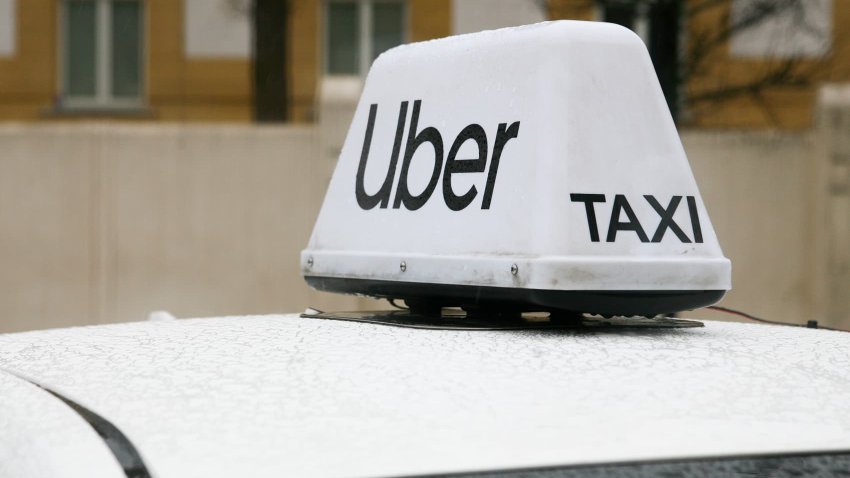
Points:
[364,12]
[103,99]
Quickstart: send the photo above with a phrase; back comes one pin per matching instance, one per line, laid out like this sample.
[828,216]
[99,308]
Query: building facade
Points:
[182,60]
[722,63]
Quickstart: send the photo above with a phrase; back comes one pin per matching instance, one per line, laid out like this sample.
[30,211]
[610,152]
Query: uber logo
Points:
[415,139]
[621,206]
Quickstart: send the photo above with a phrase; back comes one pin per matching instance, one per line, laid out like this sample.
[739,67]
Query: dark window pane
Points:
[80,48]
[664,49]
[343,38]
[387,26]
[126,49]
[620,12]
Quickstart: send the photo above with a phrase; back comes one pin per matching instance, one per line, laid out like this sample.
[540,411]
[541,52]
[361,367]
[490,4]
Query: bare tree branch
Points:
[706,44]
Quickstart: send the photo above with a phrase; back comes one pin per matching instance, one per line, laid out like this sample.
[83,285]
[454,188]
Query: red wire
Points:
[766,321]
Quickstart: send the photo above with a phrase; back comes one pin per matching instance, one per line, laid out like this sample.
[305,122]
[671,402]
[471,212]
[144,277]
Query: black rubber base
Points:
[426,298]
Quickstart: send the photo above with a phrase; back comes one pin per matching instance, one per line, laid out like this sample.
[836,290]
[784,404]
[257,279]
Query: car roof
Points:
[41,437]
[280,394]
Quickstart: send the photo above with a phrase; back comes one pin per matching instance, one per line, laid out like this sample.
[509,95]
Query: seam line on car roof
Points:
[119,445]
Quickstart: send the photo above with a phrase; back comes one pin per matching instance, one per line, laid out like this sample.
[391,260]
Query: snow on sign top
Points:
[536,164]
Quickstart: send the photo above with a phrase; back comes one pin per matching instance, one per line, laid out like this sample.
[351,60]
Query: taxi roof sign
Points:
[536,166]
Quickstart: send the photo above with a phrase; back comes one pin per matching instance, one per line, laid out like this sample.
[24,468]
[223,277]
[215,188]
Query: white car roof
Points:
[283,395]
[41,437]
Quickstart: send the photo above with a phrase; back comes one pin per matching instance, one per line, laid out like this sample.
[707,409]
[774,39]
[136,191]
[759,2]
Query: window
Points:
[357,31]
[772,29]
[101,47]
[8,28]
[657,23]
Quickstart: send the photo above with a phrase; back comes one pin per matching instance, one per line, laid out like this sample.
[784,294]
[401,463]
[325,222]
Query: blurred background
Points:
[173,154]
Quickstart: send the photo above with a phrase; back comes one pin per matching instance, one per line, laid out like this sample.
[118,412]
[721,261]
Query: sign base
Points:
[458,319]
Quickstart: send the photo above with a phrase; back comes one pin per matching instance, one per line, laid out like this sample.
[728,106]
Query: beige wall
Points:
[104,223]
[758,188]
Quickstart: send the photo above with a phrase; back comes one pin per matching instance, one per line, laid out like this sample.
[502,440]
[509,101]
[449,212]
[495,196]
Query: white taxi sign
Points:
[536,165]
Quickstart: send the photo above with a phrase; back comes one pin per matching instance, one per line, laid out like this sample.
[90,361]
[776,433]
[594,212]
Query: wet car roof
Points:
[279,394]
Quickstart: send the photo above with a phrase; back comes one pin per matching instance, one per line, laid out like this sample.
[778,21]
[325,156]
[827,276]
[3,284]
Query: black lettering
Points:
[667,221]
[621,204]
[454,166]
[692,208]
[382,197]
[429,135]
[589,200]
[503,134]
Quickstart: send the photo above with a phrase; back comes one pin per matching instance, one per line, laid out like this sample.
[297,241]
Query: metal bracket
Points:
[457,319]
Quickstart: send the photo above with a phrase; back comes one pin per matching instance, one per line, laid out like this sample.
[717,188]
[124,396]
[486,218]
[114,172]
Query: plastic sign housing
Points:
[534,167]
